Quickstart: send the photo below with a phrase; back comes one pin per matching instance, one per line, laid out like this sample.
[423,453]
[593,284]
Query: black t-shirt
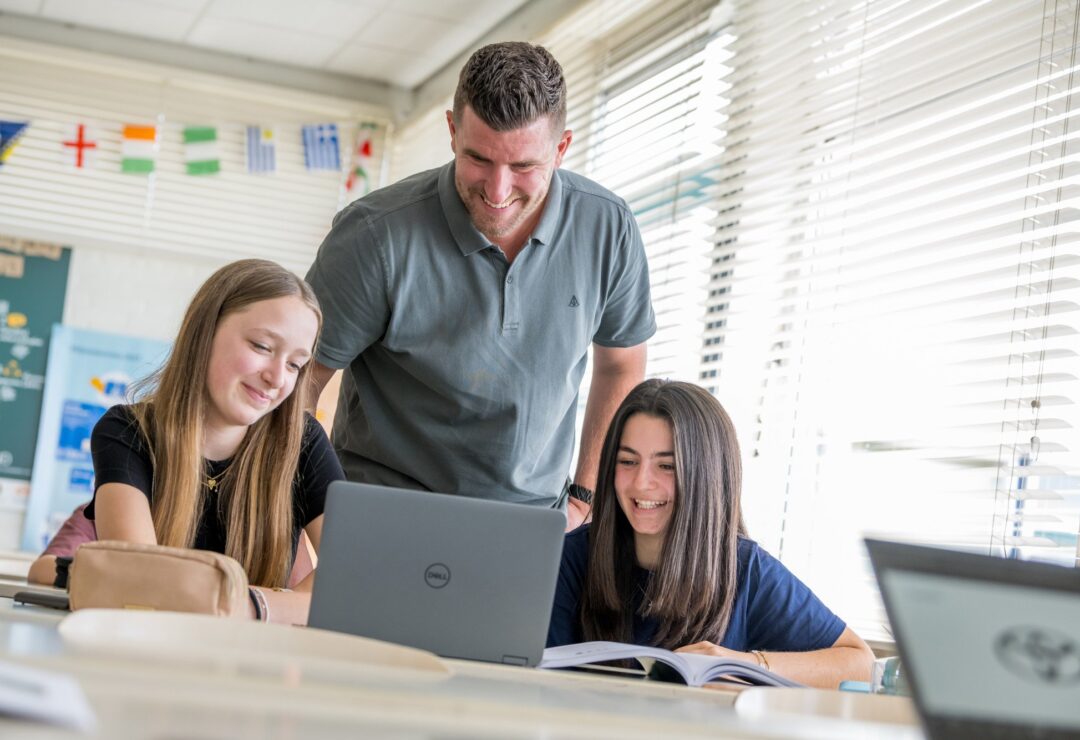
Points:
[120,456]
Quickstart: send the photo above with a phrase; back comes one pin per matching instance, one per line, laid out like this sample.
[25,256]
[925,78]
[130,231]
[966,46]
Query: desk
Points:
[15,563]
[144,699]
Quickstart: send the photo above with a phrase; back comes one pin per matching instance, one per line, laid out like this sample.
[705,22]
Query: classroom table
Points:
[144,697]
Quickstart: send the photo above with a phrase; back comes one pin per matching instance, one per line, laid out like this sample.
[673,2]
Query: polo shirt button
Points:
[509,279]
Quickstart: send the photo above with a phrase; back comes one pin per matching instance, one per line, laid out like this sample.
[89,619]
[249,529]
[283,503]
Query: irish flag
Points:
[200,150]
[138,149]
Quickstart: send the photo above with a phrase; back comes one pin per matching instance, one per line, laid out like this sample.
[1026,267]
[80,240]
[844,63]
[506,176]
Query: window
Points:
[869,207]
[903,336]
[646,84]
[653,140]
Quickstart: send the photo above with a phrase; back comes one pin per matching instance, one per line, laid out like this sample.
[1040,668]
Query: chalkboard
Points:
[33,283]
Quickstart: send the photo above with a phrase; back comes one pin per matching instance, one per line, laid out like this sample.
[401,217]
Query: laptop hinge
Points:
[515,660]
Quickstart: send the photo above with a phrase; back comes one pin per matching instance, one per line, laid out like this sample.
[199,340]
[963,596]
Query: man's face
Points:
[503,176]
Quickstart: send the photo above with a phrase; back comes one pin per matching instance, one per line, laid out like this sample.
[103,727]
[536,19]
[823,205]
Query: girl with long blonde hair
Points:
[218,453]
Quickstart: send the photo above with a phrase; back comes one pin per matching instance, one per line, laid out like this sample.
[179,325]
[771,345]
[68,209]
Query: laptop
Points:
[457,576]
[990,647]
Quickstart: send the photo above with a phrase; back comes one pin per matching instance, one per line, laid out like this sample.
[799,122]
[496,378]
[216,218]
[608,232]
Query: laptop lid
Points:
[461,577]
[988,645]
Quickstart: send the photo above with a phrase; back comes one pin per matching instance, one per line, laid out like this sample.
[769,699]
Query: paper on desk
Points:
[44,696]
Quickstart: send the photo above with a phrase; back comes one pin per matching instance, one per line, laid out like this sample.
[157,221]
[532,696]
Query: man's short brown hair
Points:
[511,84]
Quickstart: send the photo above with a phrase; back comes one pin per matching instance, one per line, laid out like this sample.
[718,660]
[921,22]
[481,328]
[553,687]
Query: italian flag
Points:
[138,149]
[200,150]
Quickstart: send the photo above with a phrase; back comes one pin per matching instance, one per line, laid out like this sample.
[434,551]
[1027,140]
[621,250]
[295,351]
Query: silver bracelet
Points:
[264,608]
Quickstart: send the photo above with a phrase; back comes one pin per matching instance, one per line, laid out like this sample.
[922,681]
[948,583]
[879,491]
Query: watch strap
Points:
[581,493]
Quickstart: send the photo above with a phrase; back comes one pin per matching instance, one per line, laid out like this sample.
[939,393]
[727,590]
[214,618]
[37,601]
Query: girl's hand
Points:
[708,648]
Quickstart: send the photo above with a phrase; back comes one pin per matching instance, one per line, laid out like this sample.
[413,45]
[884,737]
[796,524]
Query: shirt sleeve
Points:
[76,530]
[628,318]
[783,613]
[349,277]
[317,469]
[120,455]
[564,628]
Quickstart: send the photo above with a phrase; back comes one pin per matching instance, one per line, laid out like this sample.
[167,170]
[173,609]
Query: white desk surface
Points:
[15,563]
[142,698]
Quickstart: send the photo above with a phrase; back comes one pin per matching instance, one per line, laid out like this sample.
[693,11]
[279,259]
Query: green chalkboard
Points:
[33,283]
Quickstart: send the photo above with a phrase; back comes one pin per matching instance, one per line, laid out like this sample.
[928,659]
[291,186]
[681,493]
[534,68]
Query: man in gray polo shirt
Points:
[461,303]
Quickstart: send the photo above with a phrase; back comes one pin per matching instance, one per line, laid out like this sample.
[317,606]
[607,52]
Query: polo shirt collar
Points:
[468,239]
[549,219]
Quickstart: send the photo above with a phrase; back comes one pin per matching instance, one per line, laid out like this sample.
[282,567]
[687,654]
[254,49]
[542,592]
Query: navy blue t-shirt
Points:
[773,609]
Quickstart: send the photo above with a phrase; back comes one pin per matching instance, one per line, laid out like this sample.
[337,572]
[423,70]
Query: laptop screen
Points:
[461,577]
[987,650]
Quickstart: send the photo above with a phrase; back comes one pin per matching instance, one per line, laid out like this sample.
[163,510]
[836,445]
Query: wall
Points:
[141,245]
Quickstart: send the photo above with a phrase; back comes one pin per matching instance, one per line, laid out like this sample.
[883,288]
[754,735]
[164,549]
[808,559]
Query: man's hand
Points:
[577,513]
[318,378]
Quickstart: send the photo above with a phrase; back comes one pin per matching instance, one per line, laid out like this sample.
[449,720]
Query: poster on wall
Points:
[33,283]
[88,372]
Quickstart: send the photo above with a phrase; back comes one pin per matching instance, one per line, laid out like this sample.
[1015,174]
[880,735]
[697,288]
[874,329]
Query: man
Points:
[462,301]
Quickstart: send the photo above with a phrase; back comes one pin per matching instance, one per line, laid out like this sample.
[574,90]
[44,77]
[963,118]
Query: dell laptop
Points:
[990,646]
[458,576]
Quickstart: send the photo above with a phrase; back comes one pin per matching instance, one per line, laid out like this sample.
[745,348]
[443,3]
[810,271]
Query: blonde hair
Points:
[256,495]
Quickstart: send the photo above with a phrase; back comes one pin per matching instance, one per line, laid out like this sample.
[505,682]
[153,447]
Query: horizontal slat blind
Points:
[901,199]
[644,103]
[652,138]
[282,216]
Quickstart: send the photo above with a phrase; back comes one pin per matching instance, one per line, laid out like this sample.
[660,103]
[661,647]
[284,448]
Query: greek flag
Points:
[260,149]
[321,149]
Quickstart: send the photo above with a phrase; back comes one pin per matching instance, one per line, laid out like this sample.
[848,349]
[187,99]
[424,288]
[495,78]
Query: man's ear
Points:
[562,146]
[453,130]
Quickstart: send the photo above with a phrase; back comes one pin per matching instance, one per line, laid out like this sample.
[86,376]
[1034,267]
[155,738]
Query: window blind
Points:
[859,223]
[898,216]
[643,102]
[282,215]
[649,133]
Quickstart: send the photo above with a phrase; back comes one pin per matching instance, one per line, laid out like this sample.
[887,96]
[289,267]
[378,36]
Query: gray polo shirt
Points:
[462,370]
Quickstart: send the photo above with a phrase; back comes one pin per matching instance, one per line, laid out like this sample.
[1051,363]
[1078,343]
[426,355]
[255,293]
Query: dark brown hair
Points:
[511,84]
[692,590]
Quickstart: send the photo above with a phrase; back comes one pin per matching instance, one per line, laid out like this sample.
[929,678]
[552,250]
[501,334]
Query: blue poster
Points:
[87,372]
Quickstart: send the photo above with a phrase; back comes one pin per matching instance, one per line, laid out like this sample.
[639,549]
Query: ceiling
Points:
[398,42]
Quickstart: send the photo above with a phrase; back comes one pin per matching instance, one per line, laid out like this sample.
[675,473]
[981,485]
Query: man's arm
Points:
[616,370]
[318,378]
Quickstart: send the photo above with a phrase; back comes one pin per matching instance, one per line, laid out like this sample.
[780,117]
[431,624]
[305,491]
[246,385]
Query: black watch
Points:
[581,493]
[62,565]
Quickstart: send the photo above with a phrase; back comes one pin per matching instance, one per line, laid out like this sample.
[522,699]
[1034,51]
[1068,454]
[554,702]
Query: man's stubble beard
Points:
[491,228]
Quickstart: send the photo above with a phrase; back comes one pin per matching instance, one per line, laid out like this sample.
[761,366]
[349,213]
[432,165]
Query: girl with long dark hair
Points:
[666,560]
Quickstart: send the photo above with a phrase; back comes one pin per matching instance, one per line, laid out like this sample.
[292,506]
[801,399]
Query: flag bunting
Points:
[201,150]
[10,133]
[138,149]
[321,148]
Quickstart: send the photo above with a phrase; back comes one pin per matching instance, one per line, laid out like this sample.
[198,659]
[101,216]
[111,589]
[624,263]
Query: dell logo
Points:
[437,575]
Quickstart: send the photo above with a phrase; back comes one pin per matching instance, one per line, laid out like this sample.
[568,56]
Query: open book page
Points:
[694,669]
